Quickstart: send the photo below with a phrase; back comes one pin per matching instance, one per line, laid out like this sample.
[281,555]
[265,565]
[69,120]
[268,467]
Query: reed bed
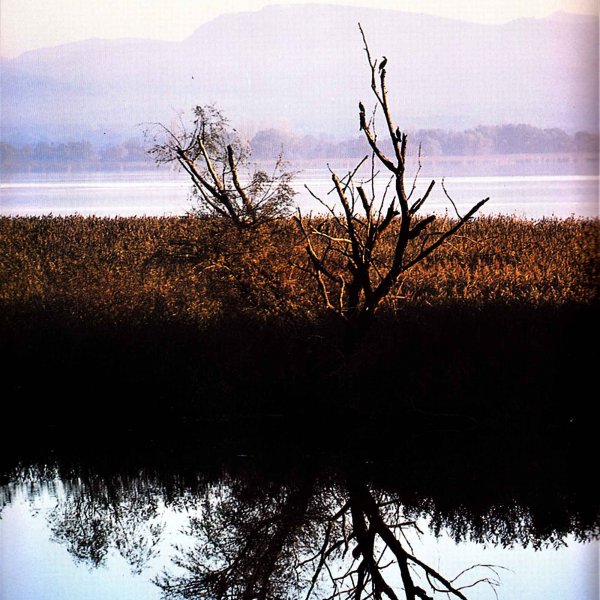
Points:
[158,320]
[198,269]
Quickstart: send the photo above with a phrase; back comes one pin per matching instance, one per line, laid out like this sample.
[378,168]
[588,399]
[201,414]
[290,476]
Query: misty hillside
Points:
[304,67]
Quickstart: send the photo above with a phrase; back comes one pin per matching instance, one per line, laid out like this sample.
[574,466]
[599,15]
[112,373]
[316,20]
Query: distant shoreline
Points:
[572,163]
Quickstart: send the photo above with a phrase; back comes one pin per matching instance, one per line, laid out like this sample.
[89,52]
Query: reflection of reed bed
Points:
[157,319]
[499,489]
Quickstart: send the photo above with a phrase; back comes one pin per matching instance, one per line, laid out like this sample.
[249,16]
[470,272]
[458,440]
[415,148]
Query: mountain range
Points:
[303,67]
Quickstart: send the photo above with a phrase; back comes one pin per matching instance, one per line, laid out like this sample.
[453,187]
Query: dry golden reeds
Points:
[199,269]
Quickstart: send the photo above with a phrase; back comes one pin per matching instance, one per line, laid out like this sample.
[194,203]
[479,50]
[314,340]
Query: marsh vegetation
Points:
[158,319]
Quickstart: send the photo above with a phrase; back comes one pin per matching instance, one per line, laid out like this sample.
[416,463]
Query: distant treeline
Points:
[269,143]
[483,140]
[51,156]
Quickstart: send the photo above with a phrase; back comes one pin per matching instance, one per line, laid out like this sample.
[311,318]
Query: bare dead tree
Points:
[217,162]
[358,254]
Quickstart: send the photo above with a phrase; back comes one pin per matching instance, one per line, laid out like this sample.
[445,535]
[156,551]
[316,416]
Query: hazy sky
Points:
[29,24]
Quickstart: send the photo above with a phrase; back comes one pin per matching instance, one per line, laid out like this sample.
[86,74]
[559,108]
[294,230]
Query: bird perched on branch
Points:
[383,63]
[363,121]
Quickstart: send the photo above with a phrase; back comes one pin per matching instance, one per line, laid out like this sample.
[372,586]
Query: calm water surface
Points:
[49,552]
[160,192]
[153,531]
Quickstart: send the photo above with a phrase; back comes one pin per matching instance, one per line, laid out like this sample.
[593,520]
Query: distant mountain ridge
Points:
[303,66]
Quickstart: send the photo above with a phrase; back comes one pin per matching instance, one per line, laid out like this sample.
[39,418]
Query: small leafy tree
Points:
[357,256]
[217,161]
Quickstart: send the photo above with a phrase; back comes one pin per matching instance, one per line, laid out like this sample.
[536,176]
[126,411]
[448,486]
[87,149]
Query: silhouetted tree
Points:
[353,274]
[217,161]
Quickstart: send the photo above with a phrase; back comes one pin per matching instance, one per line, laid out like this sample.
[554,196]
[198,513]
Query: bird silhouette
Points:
[383,63]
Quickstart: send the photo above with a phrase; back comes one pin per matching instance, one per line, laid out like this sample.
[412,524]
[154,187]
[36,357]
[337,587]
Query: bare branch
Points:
[391,213]
[209,165]
[366,204]
[427,251]
[371,140]
[419,167]
[236,182]
[331,238]
[417,205]
[190,167]
[349,222]
[398,141]
[452,201]
[420,226]
[350,176]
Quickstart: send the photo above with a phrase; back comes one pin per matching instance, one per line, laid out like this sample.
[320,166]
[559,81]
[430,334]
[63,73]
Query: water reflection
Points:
[308,540]
[89,526]
[310,525]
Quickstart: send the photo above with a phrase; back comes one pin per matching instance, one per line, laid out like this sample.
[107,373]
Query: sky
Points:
[30,24]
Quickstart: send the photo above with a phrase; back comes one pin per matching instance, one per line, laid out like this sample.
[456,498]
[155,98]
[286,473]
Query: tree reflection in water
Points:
[90,524]
[308,540]
[309,525]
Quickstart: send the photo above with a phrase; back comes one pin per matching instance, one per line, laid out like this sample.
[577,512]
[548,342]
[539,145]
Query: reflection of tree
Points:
[340,532]
[370,520]
[304,540]
[91,524]
[250,542]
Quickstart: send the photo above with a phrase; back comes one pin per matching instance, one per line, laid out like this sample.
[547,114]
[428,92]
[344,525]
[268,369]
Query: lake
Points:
[163,192]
